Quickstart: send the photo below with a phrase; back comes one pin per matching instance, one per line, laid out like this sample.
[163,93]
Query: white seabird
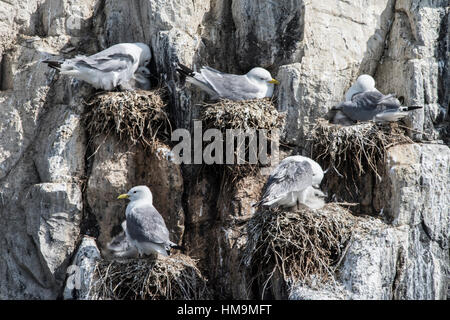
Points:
[365,103]
[256,84]
[294,181]
[145,227]
[106,69]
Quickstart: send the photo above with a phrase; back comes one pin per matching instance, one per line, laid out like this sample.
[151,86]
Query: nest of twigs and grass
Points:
[353,152]
[299,245]
[258,120]
[168,278]
[133,116]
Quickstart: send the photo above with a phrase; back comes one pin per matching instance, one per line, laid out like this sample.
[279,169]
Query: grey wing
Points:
[106,63]
[287,177]
[145,224]
[366,105]
[231,86]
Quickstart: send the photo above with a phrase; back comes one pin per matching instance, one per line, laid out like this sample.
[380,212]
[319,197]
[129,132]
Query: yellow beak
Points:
[274,81]
[123,196]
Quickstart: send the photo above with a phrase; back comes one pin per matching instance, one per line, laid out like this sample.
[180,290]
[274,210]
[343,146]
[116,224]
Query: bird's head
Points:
[137,193]
[315,198]
[145,55]
[143,71]
[261,75]
[317,172]
[364,83]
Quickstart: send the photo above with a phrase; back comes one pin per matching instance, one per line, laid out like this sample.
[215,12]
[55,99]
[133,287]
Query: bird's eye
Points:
[134,191]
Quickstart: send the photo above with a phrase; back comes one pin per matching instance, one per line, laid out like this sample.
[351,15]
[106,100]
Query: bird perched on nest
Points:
[107,69]
[365,103]
[294,182]
[256,84]
[145,227]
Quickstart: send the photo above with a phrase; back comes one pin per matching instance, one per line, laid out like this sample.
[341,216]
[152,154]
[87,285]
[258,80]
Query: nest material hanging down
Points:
[243,115]
[350,152]
[135,116]
[167,278]
[300,244]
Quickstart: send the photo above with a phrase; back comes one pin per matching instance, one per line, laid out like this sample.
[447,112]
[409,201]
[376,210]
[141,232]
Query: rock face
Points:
[58,184]
[80,272]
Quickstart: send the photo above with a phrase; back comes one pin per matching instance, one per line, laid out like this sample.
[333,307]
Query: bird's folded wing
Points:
[106,63]
[145,224]
[364,106]
[288,177]
[228,85]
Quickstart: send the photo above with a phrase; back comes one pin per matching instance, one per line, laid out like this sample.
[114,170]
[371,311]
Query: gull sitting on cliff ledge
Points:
[365,103]
[145,227]
[255,84]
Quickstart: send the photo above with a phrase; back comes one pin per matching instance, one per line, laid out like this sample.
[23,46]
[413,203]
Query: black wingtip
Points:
[414,107]
[178,248]
[53,64]
[184,70]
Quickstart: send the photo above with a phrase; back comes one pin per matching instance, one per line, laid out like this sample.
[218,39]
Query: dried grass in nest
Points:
[168,278]
[298,245]
[247,114]
[135,116]
[353,151]
[242,115]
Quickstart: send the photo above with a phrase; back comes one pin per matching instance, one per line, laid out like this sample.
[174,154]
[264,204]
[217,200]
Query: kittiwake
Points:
[256,84]
[145,227]
[365,103]
[106,69]
[294,182]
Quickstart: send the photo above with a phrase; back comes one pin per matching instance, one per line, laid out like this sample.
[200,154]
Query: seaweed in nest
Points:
[350,152]
[301,245]
[135,116]
[247,115]
[167,278]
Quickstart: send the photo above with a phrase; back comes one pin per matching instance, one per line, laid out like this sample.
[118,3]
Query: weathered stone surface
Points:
[66,17]
[419,176]
[274,29]
[53,212]
[80,272]
[61,146]
[229,235]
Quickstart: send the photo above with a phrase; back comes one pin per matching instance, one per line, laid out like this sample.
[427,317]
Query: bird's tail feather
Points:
[410,108]
[184,70]
[54,64]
